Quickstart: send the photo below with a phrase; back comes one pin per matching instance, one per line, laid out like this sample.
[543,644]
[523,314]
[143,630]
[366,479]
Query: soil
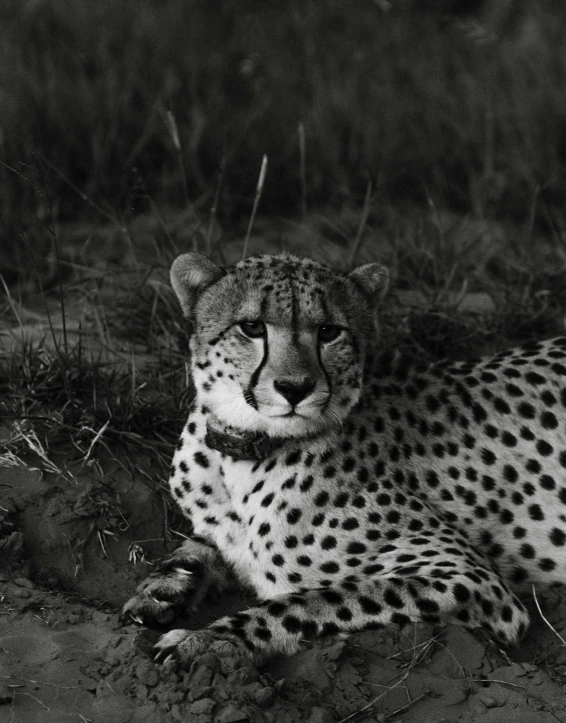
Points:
[68,563]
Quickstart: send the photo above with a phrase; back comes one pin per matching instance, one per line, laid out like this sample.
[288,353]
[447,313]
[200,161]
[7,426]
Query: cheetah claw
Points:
[185,645]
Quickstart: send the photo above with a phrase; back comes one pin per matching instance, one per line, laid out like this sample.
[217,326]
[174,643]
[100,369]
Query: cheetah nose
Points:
[294,391]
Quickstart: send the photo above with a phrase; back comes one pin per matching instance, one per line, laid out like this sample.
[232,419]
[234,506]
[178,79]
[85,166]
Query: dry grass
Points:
[152,132]
[136,103]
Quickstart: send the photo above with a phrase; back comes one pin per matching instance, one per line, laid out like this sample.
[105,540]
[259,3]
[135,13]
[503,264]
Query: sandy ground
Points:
[66,567]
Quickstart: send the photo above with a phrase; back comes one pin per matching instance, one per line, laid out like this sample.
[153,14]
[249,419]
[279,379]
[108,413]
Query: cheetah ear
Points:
[371,279]
[190,275]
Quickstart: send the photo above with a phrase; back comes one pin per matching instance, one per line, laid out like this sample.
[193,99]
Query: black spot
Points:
[536,513]
[328,542]
[527,551]
[427,606]
[461,592]
[491,431]
[508,439]
[510,473]
[330,567]
[369,606]
[344,614]
[306,484]
[548,420]
[351,523]
[349,464]
[557,537]
[264,529]
[294,515]
[513,390]
[355,548]
[548,398]
[519,575]
[480,415]
[267,500]
[341,499]
[321,499]
[527,434]
[506,517]
[438,450]
[526,410]
[289,483]
[263,634]
[304,560]
[432,478]
[392,598]
[488,457]
[501,406]
[535,378]
[332,596]
[533,465]
[293,457]
[201,459]
[276,608]
[547,482]
[278,560]
[291,624]
[544,448]
[372,569]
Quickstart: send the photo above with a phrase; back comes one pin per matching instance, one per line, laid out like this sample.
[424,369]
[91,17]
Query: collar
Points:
[257,446]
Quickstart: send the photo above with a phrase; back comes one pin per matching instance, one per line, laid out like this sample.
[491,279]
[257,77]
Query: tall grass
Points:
[419,107]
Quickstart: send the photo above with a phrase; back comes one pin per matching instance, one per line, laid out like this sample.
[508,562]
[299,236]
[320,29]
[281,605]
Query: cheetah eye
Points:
[253,329]
[329,332]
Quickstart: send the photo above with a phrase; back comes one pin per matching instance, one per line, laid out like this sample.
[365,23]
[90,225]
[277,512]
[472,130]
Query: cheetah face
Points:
[279,343]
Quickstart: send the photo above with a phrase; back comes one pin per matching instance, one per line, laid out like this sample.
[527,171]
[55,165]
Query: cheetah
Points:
[352,488]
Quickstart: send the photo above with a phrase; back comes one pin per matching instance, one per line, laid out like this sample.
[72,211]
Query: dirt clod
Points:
[64,646]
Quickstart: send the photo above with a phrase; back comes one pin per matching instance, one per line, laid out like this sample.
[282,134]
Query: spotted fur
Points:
[408,491]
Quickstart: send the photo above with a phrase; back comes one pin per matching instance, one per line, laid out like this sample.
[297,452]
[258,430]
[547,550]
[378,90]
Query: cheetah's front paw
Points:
[182,583]
[186,645]
[160,597]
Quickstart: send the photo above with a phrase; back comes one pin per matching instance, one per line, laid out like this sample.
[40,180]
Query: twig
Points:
[77,190]
[545,620]
[303,165]
[40,682]
[368,709]
[259,189]
[363,221]
[404,707]
[214,209]
[174,133]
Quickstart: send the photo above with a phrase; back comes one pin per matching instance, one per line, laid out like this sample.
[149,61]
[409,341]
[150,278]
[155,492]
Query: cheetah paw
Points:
[186,645]
[160,597]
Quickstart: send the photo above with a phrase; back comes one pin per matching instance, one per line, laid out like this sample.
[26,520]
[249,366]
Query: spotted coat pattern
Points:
[412,491]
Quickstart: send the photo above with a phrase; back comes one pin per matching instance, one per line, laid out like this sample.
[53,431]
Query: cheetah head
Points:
[279,343]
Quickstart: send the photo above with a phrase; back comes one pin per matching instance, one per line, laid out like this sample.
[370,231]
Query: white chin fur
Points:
[237,413]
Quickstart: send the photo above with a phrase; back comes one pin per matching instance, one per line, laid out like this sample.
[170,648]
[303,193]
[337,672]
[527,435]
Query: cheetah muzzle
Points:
[351,488]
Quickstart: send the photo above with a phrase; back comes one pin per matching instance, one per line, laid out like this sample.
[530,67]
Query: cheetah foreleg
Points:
[181,582]
[282,625]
